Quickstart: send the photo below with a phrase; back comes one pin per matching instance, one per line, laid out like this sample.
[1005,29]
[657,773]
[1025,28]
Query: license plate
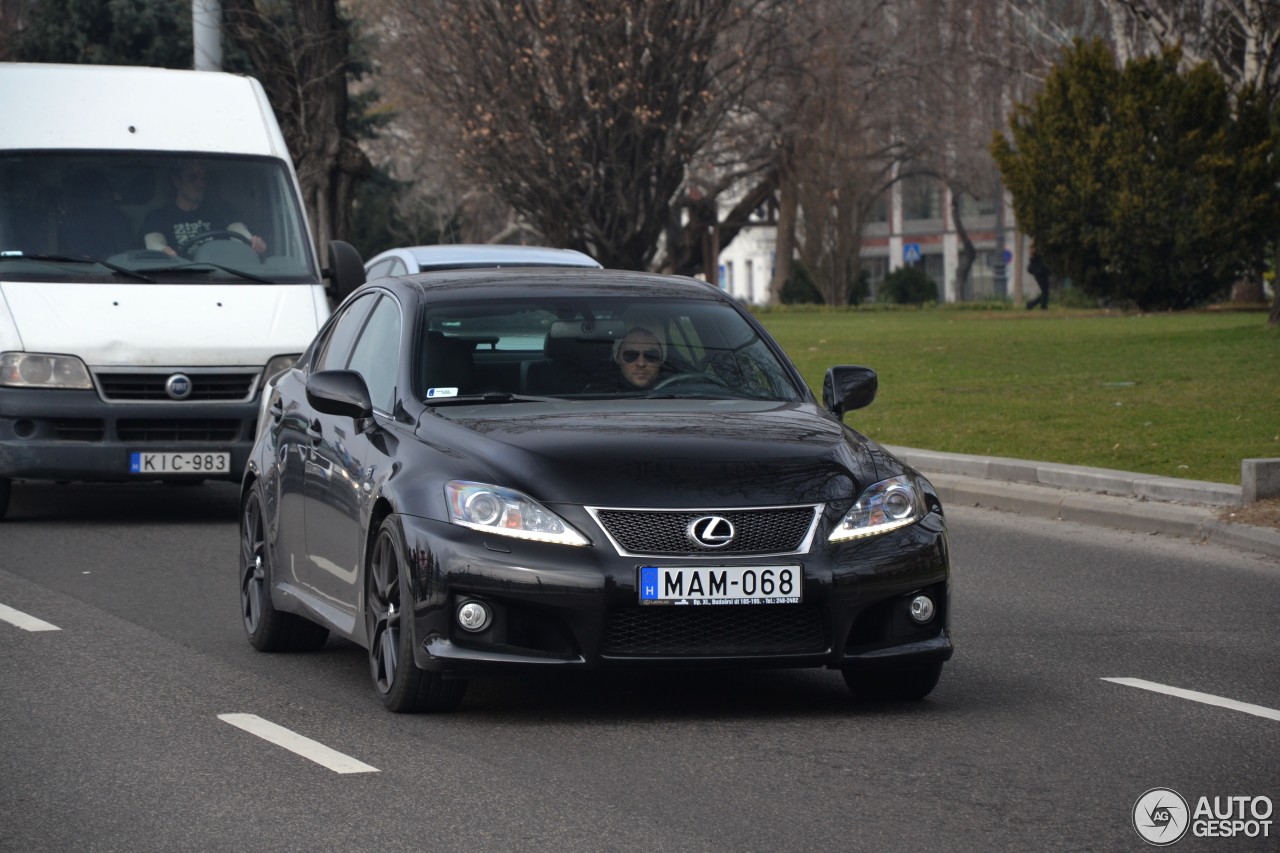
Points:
[704,585]
[179,463]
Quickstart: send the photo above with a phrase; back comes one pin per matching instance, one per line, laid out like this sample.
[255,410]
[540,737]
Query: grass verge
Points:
[1179,395]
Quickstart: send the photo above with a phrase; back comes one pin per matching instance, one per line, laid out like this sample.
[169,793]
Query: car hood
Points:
[163,325]
[668,453]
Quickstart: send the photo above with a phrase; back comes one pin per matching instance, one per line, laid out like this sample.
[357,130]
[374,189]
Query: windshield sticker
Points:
[441,392]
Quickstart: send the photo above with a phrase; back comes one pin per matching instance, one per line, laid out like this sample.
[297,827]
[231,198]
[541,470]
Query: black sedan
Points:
[471,473]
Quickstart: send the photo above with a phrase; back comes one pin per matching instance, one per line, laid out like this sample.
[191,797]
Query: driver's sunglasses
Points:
[630,355]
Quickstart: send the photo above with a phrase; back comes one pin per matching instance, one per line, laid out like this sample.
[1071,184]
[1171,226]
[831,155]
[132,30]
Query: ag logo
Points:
[1161,817]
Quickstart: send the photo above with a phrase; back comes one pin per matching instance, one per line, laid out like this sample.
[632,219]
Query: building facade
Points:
[914,223]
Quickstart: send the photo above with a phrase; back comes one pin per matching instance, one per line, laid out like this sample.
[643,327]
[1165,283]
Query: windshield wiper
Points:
[194,265]
[489,397]
[72,259]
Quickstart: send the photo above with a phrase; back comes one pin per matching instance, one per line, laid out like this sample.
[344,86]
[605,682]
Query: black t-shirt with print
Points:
[179,226]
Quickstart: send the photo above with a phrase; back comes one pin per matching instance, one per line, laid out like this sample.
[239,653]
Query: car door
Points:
[345,463]
[291,425]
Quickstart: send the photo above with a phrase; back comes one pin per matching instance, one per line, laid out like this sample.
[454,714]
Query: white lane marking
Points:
[1196,696]
[24,621]
[296,743]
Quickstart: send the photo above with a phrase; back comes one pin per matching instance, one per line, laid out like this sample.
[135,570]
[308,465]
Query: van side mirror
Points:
[345,271]
[340,393]
[848,387]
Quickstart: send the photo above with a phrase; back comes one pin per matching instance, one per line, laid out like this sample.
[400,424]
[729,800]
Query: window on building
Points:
[973,207]
[921,198]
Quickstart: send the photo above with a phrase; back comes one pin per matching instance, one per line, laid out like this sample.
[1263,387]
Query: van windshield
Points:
[166,217]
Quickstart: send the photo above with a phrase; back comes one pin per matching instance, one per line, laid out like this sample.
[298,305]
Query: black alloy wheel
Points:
[269,630]
[401,685]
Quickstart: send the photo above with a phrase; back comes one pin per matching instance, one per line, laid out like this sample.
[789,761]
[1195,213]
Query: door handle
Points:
[276,410]
[315,431]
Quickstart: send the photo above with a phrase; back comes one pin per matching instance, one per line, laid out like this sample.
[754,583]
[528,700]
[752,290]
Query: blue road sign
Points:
[911,253]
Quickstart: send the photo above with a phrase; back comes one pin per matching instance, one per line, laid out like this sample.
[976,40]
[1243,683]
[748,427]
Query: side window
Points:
[398,267]
[334,354]
[377,354]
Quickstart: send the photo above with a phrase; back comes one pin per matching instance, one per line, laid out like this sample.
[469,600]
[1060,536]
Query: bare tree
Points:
[584,116]
[834,141]
[301,53]
[14,15]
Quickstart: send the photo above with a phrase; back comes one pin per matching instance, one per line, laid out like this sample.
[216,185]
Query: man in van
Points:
[172,229]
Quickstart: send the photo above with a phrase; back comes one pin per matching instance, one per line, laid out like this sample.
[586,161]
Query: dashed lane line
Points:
[1196,696]
[297,744]
[25,621]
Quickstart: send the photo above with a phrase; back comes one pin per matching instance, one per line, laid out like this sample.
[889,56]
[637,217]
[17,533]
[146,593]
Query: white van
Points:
[155,267]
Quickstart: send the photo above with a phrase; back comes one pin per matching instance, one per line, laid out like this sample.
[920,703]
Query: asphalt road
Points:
[112,734]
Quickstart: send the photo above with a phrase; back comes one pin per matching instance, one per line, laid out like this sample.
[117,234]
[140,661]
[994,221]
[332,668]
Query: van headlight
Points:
[884,506]
[506,512]
[38,370]
[280,364]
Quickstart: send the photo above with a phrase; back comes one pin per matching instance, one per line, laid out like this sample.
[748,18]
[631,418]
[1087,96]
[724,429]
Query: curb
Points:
[1117,499]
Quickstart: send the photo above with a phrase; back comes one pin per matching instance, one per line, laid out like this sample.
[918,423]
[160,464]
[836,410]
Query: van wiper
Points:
[488,397]
[195,265]
[17,254]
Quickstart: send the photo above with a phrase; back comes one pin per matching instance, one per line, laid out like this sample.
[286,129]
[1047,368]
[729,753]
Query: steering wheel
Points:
[691,379]
[205,236]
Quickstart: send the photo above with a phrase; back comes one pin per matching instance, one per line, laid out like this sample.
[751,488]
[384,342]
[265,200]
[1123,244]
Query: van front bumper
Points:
[75,436]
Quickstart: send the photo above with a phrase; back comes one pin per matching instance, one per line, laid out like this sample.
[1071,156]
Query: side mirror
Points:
[345,271]
[339,392]
[848,387]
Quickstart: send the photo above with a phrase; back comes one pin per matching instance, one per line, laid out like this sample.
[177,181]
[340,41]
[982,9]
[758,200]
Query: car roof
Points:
[491,283]
[484,255]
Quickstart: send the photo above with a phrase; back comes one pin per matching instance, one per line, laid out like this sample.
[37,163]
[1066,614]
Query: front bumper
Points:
[74,435]
[558,606]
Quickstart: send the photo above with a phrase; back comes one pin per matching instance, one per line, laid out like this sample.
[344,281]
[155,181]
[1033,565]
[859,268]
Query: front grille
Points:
[779,530]
[78,429]
[689,631]
[204,386]
[168,429]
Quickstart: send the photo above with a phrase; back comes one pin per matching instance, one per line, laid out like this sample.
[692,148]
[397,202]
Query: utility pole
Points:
[206,34]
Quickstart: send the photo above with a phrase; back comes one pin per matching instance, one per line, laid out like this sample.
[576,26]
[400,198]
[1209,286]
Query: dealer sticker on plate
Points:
[720,585]
[179,463]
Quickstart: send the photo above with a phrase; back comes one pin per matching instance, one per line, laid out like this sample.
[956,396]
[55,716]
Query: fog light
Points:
[473,616]
[922,609]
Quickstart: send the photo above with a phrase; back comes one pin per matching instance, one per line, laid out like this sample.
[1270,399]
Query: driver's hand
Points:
[170,251]
[259,245]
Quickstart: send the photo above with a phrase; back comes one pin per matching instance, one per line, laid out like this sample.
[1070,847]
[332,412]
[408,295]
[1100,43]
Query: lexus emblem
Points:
[178,387]
[711,531]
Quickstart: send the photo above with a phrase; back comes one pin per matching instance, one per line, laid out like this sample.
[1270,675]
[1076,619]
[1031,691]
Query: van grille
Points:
[172,430]
[204,386]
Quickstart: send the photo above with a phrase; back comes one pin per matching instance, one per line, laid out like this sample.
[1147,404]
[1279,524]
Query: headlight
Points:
[493,509]
[885,506]
[280,364]
[37,370]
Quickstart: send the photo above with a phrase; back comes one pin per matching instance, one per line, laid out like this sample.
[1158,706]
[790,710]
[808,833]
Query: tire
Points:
[912,681]
[399,683]
[6,489]
[268,629]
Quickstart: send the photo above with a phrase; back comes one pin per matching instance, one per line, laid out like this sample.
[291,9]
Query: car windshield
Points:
[86,216]
[596,348]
